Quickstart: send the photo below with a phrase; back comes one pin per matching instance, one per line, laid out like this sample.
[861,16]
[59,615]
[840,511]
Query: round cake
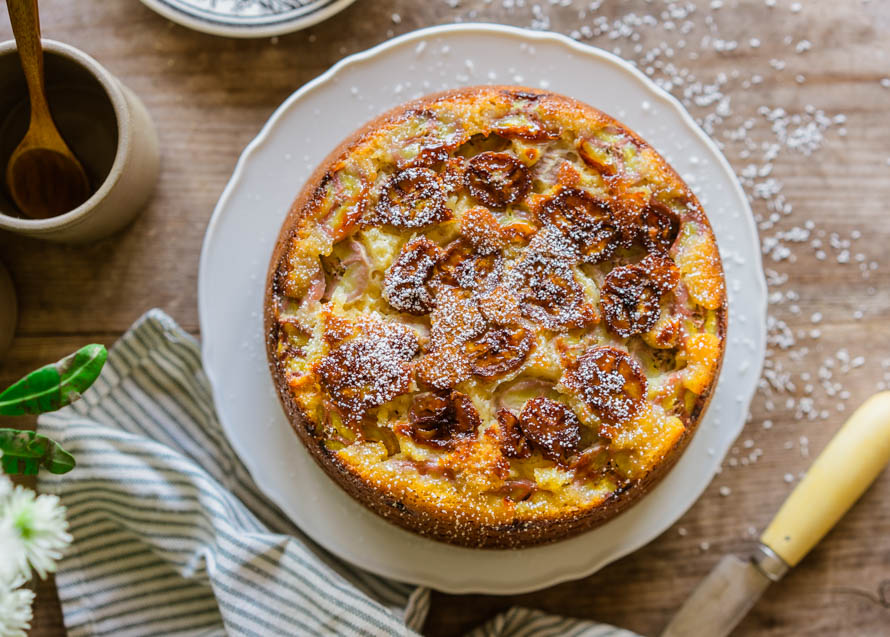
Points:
[495,316]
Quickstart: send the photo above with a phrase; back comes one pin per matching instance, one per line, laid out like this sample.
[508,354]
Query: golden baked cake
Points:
[495,316]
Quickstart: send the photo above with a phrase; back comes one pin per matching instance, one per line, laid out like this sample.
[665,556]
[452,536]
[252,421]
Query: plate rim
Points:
[757,354]
[245,31]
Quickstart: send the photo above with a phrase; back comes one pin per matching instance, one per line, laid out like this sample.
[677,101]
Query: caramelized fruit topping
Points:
[630,301]
[631,294]
[499,350]
[368,369]
[406,285]
[513,443]
[551,427]
[587,223]
[497,179]
[550,294]
[662,270]
[609,381]
[482,230]
[442,419]
[659,227]
[412,198]
[463,268]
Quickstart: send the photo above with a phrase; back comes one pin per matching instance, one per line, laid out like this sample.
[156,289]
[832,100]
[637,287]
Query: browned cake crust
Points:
[650,312]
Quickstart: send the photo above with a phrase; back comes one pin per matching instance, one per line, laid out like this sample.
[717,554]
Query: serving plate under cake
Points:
[275,166]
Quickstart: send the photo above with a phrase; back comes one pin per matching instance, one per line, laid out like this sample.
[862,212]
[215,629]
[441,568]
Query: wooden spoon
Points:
[44,177]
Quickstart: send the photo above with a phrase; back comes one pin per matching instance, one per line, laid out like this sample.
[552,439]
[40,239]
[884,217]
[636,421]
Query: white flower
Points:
[13,559]
[39,522]
[15,611]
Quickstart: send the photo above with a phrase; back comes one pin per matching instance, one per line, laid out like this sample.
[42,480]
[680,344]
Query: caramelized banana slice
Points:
[631,294]
[499,350]
[659,227]
[662,270]
[462,267]
[443,367]
[406,285]
[551,427]
[453,174]
[630,301]
[497,179]
[588,223]
[609,381]
[412,198]
[551,296]
[442,419]
[454,320]
[430,152]
[513,443]
[368,369]
[482,230]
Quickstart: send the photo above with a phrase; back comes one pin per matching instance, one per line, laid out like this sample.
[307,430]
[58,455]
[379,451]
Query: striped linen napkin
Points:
[172,537]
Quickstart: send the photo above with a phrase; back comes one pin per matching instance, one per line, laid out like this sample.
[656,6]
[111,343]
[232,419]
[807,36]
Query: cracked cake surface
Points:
[495,316]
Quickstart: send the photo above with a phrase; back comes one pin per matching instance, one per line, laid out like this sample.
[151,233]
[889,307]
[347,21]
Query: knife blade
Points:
[721,600]
[852,460]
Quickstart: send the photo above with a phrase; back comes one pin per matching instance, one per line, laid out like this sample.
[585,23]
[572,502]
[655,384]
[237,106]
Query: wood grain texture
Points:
[209,96]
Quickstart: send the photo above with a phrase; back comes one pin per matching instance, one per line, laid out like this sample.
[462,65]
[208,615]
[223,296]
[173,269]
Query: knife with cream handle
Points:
[841,473]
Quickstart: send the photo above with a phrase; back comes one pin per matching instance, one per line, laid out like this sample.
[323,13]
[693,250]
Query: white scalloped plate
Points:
[272,171]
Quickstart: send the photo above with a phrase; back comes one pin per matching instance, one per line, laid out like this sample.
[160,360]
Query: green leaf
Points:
[56,385]
[25,451]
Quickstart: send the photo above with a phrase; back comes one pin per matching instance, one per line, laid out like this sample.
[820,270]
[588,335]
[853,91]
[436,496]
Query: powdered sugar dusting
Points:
[369,368]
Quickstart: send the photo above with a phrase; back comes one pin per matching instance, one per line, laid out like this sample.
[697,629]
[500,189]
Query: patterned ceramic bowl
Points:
[247,18]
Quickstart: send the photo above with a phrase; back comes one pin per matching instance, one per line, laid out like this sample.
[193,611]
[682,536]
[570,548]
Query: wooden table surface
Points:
[825,179]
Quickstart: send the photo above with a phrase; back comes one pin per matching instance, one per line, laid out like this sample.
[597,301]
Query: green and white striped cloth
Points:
[172,537]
